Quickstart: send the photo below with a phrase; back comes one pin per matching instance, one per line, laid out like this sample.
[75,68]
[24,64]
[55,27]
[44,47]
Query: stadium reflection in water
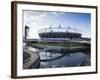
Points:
[67,59]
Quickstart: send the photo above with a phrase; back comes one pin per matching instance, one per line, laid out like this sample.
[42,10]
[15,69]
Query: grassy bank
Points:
[63,44]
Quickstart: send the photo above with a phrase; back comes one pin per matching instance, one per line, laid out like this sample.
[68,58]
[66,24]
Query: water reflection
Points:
[55,59]
[49,56]
[67,60]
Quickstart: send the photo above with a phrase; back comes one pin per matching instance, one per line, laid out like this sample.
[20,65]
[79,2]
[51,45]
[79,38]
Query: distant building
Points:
[59,33]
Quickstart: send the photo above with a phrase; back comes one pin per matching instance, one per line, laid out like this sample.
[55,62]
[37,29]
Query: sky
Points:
[37,20]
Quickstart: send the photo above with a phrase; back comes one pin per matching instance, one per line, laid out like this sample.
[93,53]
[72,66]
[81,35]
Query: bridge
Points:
[30,40]
[39,40]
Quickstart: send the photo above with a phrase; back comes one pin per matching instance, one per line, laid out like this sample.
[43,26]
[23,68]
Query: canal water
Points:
[66,59]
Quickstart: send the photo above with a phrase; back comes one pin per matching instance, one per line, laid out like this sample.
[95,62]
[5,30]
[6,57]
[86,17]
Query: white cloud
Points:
[34,15]
[56,13]
[32,19]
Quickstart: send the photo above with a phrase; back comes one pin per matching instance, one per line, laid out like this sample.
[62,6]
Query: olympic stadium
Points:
[59,33]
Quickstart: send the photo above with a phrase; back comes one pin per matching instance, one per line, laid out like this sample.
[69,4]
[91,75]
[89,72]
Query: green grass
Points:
[64,44]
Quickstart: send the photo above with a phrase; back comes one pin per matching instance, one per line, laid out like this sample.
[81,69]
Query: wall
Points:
[5,40]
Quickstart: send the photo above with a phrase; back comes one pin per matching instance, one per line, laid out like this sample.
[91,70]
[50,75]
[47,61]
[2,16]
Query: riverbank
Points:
[68,58]
[59,48]
[30,59]
[64,48]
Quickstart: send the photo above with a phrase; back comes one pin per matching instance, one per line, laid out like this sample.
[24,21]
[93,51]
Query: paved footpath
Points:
[34,57]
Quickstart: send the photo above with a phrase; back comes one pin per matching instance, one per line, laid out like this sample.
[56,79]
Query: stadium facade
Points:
[59,33]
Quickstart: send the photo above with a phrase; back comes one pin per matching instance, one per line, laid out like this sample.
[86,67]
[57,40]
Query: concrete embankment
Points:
[30,59]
